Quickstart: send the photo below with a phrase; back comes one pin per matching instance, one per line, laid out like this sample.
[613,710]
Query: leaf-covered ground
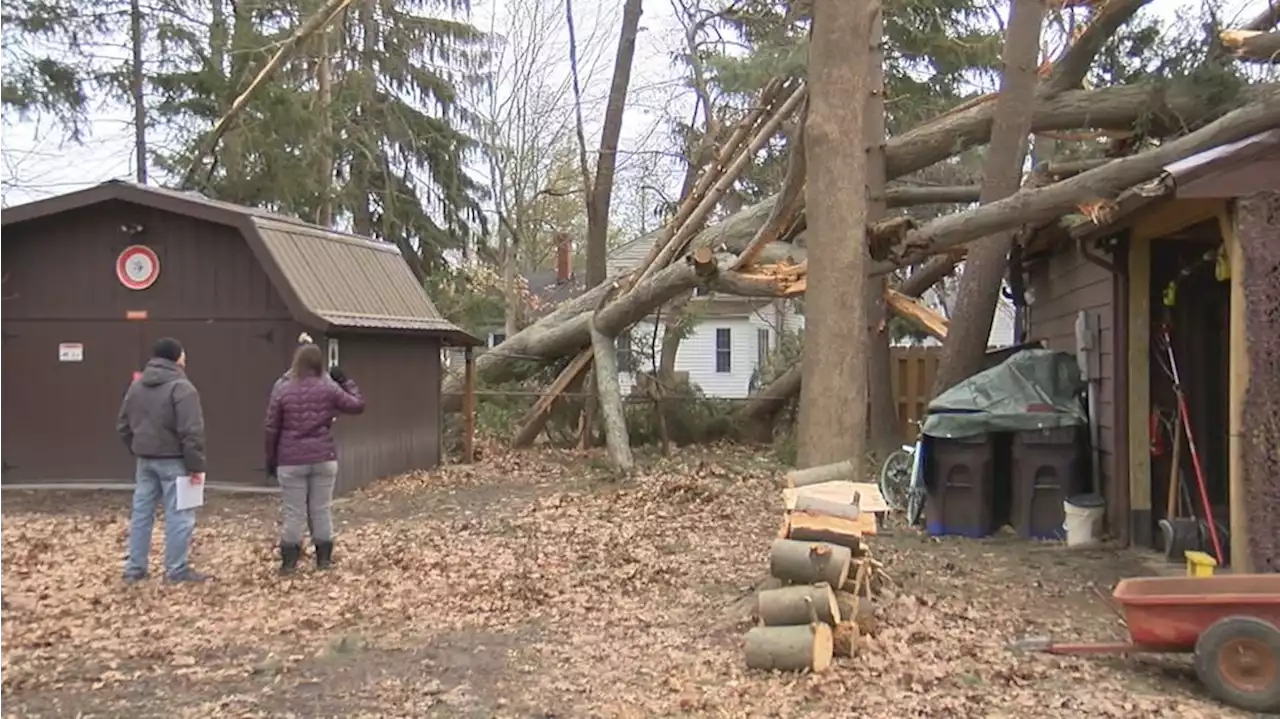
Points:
[528,586]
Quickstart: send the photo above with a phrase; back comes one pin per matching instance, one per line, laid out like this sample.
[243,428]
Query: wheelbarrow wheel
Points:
[1238,660]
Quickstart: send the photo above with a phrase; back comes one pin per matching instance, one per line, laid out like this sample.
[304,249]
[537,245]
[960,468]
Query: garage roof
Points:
[328,279]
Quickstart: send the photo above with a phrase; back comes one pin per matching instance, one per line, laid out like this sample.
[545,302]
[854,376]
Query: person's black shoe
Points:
[187,575]
[324,555]
[289,555]
[134,577]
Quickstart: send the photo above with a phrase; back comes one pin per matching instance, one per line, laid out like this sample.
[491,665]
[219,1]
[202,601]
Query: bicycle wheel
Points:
[915,507]
[895,480]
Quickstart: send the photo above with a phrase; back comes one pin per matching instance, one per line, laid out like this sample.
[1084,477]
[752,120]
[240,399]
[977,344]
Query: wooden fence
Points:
[913,369]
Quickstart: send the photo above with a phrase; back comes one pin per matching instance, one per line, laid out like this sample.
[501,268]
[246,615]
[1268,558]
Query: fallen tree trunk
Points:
[809,562]
[565,330]
[1048,203]
[605,360]
[791,606]
[790,649]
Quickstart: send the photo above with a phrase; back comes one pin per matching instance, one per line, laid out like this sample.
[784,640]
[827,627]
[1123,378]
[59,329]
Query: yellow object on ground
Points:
[1200,564]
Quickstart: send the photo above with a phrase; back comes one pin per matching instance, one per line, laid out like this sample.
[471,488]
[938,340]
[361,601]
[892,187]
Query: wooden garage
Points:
[93,278]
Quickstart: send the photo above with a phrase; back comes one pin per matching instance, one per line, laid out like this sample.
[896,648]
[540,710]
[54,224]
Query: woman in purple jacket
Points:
[301,452]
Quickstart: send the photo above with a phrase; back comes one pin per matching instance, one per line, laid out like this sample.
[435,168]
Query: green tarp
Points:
[1033,389]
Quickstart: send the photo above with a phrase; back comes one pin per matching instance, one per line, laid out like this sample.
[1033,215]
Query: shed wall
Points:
[1066,283]
[400,430]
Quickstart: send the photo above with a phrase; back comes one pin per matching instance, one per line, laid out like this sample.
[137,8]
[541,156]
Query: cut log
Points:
[868,495]
[844,639]
[791,606]
[859,610]
[818,475]
[825,506]
[790,649]
[809,562]
[817,527]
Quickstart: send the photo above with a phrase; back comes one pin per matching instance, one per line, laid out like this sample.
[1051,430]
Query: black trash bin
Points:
[960,486]
[1047,466]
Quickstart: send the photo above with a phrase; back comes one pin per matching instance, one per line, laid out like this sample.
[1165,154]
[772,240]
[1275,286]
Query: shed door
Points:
[233,364]
[60,407]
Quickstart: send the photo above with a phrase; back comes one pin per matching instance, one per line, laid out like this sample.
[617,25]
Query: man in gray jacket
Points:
[162,424]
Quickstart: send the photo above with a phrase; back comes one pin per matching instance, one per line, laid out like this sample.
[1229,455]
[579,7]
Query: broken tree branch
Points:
[314,24]
[1046,203]
[1253,45]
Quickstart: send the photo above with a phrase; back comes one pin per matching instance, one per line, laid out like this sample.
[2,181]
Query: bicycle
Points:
[901,481]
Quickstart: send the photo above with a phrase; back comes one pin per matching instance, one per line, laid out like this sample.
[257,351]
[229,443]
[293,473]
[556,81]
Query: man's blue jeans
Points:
[155,482]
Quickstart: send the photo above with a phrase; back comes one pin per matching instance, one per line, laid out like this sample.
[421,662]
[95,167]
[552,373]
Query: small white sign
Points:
[70,352]
[333,353]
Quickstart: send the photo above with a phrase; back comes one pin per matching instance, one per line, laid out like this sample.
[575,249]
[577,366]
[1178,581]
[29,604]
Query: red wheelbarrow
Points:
[1231,622]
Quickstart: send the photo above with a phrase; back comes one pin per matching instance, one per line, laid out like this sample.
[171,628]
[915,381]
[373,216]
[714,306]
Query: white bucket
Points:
[1083,519]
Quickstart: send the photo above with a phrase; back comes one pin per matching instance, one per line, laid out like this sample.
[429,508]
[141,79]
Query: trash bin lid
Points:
[1087,501]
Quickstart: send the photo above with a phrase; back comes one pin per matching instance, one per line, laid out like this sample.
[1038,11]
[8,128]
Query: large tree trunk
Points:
[615,420]
[882,408]
[607,159]
[565,331]
[832,423]
[987,260]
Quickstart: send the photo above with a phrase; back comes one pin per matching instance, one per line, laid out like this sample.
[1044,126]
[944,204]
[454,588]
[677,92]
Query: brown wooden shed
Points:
[236,286]
[1210,224]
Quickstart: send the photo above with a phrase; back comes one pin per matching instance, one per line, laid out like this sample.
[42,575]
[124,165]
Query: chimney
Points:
[564,257]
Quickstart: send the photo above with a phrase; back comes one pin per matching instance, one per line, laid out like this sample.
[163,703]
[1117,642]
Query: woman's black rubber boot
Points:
[289,555]
[324,555]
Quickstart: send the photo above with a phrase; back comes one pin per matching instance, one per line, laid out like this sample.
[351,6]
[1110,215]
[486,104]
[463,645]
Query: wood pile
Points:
[828,573]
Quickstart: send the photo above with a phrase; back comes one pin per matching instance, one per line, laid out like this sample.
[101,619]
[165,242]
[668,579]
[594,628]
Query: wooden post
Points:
[1238,385]
[1138,351]
[469,407]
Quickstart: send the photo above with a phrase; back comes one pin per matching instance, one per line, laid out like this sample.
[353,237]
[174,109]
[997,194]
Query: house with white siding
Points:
[727,342]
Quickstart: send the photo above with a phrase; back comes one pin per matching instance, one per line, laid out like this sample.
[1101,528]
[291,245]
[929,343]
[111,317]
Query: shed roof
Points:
[328,279]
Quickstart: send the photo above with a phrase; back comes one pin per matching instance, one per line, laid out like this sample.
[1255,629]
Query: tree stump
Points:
[790,649]
[809,562]
[790,606]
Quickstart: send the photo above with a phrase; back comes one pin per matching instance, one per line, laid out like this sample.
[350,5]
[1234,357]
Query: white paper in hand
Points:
[190,495]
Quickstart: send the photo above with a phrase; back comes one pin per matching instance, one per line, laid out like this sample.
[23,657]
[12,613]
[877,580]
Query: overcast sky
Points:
[36,163]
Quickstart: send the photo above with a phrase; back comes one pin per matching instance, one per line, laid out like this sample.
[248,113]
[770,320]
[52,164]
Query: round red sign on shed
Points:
[137,267]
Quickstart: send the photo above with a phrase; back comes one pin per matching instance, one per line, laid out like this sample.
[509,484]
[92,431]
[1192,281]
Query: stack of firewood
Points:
[827,570]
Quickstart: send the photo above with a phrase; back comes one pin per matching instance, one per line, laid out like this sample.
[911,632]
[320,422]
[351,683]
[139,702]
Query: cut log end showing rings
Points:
[137,267]
[1238,660]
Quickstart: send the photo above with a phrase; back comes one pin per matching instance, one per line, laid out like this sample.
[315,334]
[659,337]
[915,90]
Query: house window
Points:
[626,353]
[701,291]
[762,347]
[724,354]
[497,338]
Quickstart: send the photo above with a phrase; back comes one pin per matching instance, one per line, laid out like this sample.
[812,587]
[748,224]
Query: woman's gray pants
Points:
[306,493]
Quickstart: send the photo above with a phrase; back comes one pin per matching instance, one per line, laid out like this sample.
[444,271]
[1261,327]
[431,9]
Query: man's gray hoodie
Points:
[161,417]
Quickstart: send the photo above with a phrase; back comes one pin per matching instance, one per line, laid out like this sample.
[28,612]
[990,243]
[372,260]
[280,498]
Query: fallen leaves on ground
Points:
[533,585]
